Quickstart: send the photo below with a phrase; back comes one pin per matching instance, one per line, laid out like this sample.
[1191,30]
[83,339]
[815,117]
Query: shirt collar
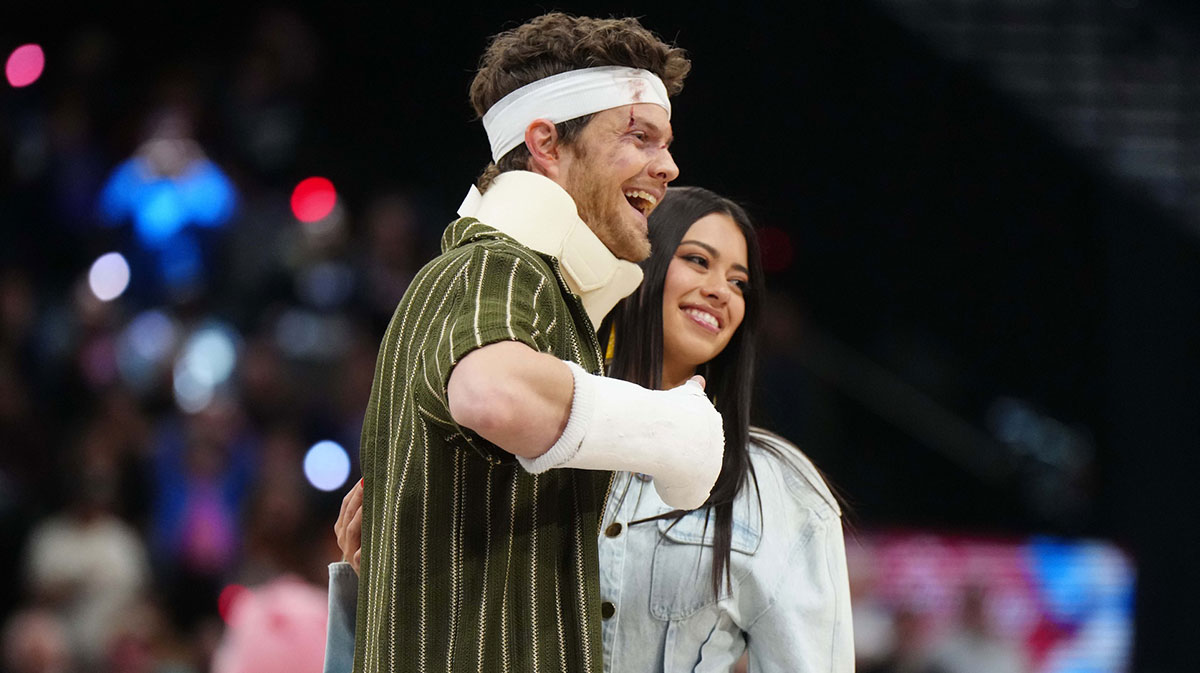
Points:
[539,214]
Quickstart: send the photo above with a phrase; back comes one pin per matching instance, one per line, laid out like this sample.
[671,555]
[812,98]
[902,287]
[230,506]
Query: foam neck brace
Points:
[539,214]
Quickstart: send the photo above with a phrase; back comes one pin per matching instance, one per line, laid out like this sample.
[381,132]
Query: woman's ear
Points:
[541,139]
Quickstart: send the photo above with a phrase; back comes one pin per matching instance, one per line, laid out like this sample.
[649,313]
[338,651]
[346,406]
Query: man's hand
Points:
[687,483]
[348,526]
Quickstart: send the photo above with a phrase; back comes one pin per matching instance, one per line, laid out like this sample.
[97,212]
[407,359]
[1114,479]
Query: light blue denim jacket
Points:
[343,609]
[790,603]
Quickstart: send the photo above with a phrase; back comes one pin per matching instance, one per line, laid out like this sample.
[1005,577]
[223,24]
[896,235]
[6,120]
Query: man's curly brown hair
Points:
[555,43]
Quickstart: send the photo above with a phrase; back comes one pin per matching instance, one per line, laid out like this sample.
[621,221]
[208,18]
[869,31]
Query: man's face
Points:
[617,171]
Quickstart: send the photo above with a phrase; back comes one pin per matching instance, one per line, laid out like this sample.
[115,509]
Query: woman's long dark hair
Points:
[636,326]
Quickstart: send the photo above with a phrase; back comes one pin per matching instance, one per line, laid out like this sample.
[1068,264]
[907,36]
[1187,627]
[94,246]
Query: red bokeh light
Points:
[313,199]
[777,252]
[229,595]
[25,65]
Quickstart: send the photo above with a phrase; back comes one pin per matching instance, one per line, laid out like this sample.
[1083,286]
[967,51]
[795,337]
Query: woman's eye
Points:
[696,259]
[740,284]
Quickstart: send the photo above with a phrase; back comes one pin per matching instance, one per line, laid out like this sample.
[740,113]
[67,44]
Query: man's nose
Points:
[664,167]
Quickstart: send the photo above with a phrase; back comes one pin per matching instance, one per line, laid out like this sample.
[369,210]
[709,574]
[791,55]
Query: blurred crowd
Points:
[153,443]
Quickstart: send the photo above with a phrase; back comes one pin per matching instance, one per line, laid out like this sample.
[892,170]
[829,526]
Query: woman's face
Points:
[703,302]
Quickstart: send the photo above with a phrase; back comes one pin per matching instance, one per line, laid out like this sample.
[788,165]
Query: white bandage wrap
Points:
[674,435]
[568,95]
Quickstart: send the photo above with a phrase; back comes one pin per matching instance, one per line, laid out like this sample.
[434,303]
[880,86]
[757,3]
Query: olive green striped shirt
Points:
[470,563]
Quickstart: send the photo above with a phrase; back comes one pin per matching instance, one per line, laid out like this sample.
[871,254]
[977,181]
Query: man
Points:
[489,437]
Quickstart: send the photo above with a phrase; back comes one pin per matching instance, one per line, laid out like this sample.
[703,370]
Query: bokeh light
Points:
[205,363]
[144,348]
[109,276]
[327,465]
[313,199]
[191,395]
[229,595]
[25,65]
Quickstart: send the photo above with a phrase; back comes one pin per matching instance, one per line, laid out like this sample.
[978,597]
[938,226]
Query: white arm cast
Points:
[674,435]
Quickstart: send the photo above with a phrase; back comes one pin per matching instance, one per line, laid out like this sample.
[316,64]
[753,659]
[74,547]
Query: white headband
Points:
[568,95]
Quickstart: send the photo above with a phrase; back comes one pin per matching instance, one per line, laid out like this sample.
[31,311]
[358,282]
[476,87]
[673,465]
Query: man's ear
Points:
[541,138]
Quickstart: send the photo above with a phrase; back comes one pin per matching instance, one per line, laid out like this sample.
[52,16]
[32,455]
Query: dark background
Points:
[948,253]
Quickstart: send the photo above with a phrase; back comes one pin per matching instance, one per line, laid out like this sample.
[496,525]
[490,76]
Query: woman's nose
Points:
[718,289]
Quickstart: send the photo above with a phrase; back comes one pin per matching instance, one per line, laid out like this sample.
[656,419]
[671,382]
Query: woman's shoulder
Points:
[782,467]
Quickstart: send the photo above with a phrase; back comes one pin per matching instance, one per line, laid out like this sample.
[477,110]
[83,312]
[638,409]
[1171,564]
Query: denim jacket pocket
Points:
[681,574]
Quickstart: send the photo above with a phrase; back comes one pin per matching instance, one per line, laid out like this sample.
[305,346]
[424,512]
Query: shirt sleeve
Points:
[508,296]
[808,627]
[343,609]
[500,292]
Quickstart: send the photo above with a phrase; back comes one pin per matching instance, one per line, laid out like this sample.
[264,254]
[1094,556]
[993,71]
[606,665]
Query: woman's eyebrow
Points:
[715,253]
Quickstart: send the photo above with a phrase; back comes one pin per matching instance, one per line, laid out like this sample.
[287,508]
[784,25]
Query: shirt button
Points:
[614,529]
[607,609]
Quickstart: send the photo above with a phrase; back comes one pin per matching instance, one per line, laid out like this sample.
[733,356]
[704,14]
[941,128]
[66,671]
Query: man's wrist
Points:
[567,445]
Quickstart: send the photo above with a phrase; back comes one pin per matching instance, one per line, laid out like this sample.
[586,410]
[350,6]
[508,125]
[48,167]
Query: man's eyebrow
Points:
[715,253]
[652,127]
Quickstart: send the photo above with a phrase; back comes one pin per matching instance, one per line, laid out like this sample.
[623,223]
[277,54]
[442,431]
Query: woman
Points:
[760,568]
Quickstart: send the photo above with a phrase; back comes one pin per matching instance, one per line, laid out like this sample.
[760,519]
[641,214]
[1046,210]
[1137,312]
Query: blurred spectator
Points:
[143,642]
[278,526]
[973,646]
[35,641]
[94,328]
[278,627]
[351,388]
[268,390]
[394,252]
[276,75]
[77,171]
[17,308]
[204,469]
[116,445]
[175,198]
[24,462]
[909,652]
[86,564]
[874,628]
